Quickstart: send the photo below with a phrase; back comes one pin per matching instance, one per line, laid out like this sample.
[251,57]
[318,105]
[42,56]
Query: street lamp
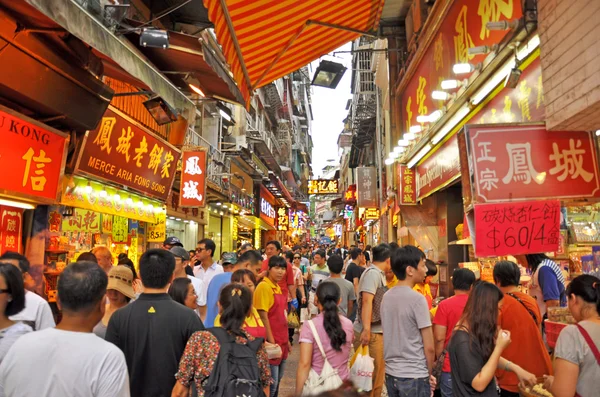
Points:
[328,74]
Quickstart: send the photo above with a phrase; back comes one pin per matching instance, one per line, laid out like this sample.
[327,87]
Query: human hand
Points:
[432,382]
[304,300]
[525,378]
[365,337]
[548,381]
[503,339]
[290,346]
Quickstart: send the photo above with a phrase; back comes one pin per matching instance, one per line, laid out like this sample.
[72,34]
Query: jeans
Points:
[446,384]
[407,387]
[277,375]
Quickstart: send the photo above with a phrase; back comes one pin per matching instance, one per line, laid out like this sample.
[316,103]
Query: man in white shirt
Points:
[182,257]
[68,360]
[37,313]
[207,267]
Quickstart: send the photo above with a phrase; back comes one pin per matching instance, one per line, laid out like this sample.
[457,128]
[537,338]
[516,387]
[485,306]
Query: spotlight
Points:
[440,95]
[465,68]
[415,129]
[154,38]
[502,25]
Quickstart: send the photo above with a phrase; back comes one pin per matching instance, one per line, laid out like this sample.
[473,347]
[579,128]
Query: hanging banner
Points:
[120,229]
[11,229]
[82,220]
[193,179]
[517,228]
[366,186]
[157,232]
[283,220]
[407,193]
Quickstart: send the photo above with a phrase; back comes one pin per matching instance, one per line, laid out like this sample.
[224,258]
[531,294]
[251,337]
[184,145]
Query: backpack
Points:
[236,372]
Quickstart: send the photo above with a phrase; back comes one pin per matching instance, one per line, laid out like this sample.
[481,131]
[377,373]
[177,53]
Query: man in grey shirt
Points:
[348,296]
[409,346]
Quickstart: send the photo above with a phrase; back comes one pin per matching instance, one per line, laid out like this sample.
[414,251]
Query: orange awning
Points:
[264,40]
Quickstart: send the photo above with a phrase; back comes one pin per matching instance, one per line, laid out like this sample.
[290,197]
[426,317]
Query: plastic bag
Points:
[361,369]
[293,320]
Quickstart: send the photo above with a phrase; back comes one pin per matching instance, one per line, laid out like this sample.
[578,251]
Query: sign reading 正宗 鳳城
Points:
[323,186]
[122,151]
[407,194]
[193,179]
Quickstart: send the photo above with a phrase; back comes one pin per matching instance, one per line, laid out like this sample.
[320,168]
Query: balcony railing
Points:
[218,163]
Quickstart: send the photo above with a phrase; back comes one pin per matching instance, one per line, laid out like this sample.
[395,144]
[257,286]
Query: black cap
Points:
[173,241]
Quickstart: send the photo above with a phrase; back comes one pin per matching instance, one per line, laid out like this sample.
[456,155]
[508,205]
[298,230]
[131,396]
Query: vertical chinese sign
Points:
[366,187]
[193,179]
[157,232]
[32,156]
[408,192]
[11,222]
[283,220]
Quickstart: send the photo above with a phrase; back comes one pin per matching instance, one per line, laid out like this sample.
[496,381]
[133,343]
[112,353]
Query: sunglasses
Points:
[296,257]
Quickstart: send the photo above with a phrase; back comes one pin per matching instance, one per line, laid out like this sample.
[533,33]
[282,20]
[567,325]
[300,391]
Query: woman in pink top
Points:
[335,332]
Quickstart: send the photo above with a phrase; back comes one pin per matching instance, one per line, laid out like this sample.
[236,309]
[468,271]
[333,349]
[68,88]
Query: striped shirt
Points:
[319,274]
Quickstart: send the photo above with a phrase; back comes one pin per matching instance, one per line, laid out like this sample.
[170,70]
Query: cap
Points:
[180,252]
[173,241]
[120,278]
[230,257]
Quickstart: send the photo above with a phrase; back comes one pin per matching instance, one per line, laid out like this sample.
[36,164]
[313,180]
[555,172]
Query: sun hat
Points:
[120,278]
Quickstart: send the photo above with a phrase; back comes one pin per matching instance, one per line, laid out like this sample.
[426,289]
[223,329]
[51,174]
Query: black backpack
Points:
[236,370]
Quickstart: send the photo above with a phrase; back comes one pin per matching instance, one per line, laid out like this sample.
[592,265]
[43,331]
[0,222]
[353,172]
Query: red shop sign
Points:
[527,162]
[32,156]
[123,152]
[517,228]
[11,221]
[408,191]
[193,179]
[438,170]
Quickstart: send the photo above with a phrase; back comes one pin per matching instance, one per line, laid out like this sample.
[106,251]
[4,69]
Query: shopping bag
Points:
[361,369]
[293,320]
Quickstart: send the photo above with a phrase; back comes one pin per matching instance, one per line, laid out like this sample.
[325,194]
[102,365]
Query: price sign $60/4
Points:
[517,228]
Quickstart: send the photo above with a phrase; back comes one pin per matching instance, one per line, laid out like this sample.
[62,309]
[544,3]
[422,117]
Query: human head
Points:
[463,279]
[104,257]
[285,248]
[297,259]
[229,261]
[205,250]
[12,297]
[368,248]
[120,285]
[246,247]
[381,256]
[156,268]
[394,246]
[327,300]
[246,277]
[481,315]
[304,248]
[129,263]
[182,291]
[409,261]
[507,274]
[272,248]
[171,242]
[235,302]
[87,256]
[532,261]
[81,291]
[16,259]
[277,268]
[431,270]
[355,254]
[289,257]
[192,253]
[335,264]
[319,257]
[361,245]
[583,295]
[251,260]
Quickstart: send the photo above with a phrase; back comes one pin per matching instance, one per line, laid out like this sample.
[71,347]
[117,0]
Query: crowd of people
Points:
[189,325]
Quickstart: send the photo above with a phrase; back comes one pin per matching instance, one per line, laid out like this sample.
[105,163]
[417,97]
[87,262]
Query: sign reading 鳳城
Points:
[366,185]
[193,179]
[283,220]
[527,162]
[441,168]
[125,153]
[32,156]
[407,194]
[323,186]
[372,213]
[11,222]
[517,228]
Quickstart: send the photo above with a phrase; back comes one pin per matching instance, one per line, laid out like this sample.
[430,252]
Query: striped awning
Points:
[264,40]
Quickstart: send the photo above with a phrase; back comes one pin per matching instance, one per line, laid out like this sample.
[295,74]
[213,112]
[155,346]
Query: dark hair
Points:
[587,287]
[431,267]
[463,279]
[277,261]
[24,264]
[129,263]
[289,255]
[328,294]
[179,289]
[394,245]
[208,245]
[275,243]
[382,252]
[122,256]
[156,268]
[87,256]
[251,256]
[335,264]
[481,315]
[321,253]
[246,245]
[534,260]
[406,256]
[507,273]
[14,284]
[238,276]
[355,253]
[236,302]
[81,286]
[368,247]
[192,252]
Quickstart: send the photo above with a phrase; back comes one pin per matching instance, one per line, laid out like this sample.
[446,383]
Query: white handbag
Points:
[329,378]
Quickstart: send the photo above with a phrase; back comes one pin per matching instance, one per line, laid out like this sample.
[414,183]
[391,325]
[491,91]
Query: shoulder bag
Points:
[329,378]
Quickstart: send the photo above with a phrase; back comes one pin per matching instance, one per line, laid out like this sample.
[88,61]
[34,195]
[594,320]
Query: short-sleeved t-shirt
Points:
[347,293]
[354,271]
[264,295]
[369,282]
[403,349]
[448,313]
[552,288]
[201,290]
[286,281]
[466,363]
[212,297]
[338,360]
[319,274]
[572,347]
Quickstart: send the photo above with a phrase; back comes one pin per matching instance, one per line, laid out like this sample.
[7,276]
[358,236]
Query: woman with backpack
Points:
[325,343]
[218,358]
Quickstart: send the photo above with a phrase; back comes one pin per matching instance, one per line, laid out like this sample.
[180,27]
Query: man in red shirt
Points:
[448,313]
[288,287]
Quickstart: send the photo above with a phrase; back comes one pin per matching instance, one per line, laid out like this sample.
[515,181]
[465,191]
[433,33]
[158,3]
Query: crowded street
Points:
[289,198]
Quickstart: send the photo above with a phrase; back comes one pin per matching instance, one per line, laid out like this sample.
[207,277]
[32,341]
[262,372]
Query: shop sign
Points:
[297,219]
[517,228]
[34,156]
[11,229]
[527,162]
[125,153]
[371,213]
[463,27]
[82,220]
[439,169]
[267,209]
[323,186]
[120,229]
[408,191]
[107,224]
[266,206]
[366,182]
[283,220]
[350,196]
[193,179]
[348,211]
[157,232]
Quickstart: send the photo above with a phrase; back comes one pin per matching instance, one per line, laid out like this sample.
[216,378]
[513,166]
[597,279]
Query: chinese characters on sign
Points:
[120,229]
[350,196]
[266,206]
[156,232]
[371,213]
[283,220]
[11,221]
[322,186]
[408,191]
[123,152]
[267,209]
[367,186]
[193,179]
[528,162]
[82,221]
[517,228]
[439,169]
